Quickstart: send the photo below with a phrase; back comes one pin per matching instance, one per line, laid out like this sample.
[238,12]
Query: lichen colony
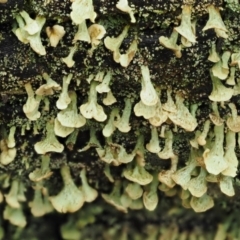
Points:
[133,104]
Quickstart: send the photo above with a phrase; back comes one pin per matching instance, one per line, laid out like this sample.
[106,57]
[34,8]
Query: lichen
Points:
[100,146]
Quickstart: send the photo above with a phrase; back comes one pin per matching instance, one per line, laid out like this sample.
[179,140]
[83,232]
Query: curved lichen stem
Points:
[50,129]
[202,137]
[66,175]
[154,184]
[127,109]
[233,108]
[83,177]
[20,21]
[72,139]
[140,143]
[29,89]
[193,109]
[174,163]
[215,109]
[45,163]
[93,92]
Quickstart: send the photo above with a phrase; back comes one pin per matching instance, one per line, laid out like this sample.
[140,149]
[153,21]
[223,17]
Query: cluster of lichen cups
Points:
[77,228]
[209,160]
